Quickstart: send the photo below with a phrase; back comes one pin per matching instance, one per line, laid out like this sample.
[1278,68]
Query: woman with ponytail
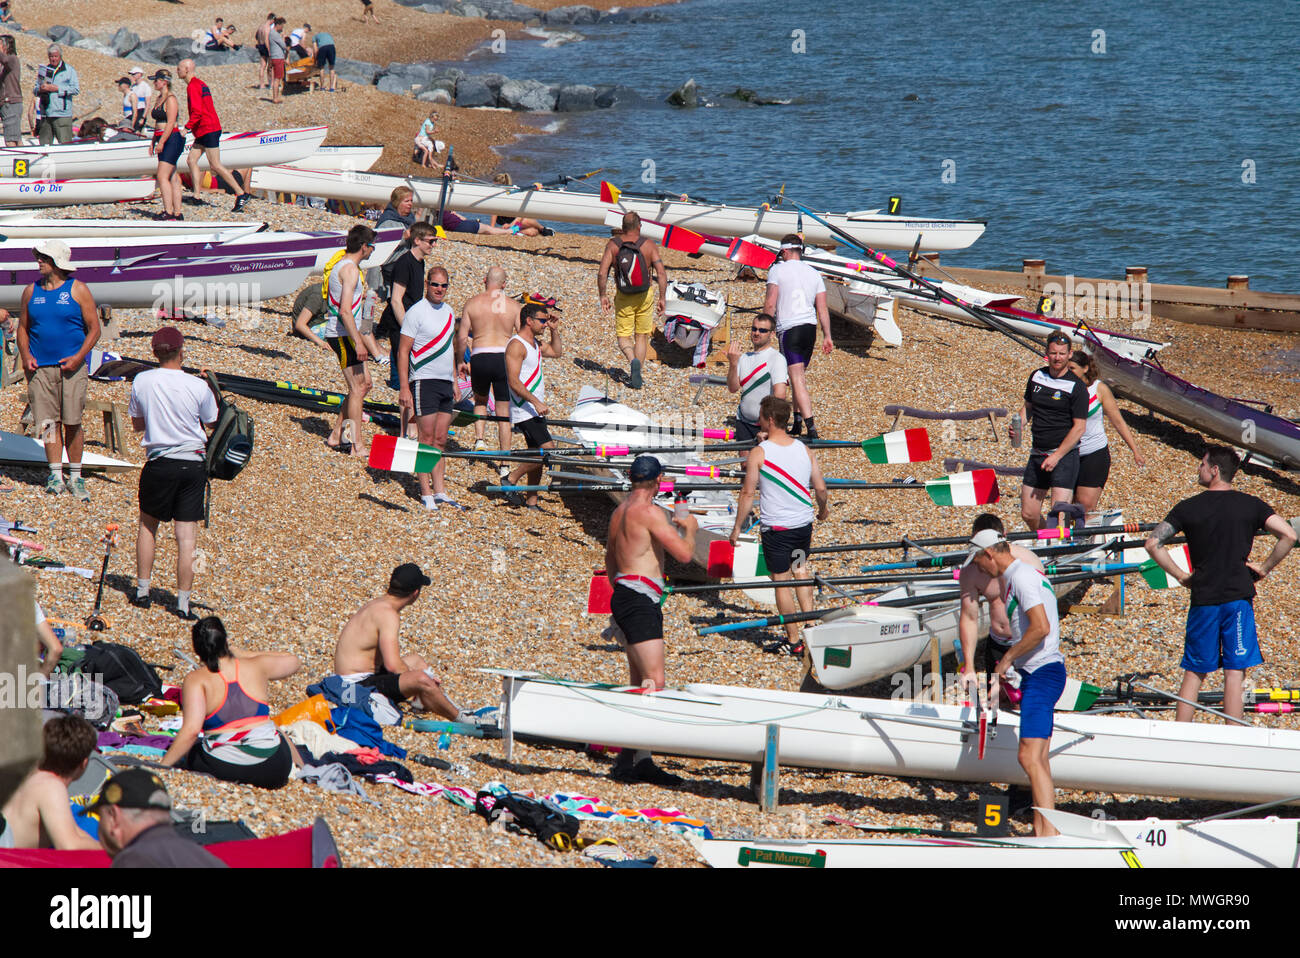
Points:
[226,729]
[1094,450]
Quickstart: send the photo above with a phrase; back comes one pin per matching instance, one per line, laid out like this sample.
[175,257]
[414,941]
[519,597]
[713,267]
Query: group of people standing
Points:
[274,47]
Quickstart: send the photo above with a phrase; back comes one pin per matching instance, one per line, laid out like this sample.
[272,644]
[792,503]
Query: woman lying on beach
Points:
[523,225]
[226,727]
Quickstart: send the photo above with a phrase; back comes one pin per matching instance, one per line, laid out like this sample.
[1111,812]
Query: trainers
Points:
[189,615]
[812,434]
[445,500]
[796,426]
[77,486]
[54,486]
[635,381]
[648,772]
[140,601]
[504,473]
[240,202]
[515,499]
[481,445]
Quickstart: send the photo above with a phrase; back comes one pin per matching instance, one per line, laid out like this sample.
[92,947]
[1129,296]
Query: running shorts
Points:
[798,344]
[487,371]
[639,616]
[534,432]
[1094,468]
[171,490]
[1062,477]
[780,546]
[1040,689]
[1221,637]
[432,396]
[345,350]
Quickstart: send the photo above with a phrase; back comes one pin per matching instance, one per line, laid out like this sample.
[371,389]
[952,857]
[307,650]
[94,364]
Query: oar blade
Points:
[599,592]
[901,446]
[722,559]
[1158,578]
[681,239]
[609,193]
[978,487]
[394,454]
[749,254]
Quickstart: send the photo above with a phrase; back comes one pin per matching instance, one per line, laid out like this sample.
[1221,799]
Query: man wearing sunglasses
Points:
[490,318]
[759,373]
[528,409]
[1056,403]
[426,369]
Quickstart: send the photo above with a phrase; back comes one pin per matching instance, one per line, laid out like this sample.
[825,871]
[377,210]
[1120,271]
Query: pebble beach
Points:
[305,535]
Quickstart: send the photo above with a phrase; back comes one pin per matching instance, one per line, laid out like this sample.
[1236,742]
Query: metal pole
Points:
[1197,705]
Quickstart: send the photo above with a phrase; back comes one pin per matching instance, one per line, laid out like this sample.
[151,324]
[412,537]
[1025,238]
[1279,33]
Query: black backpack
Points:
[121,669]
[546,821]
[231,444]
[631,271]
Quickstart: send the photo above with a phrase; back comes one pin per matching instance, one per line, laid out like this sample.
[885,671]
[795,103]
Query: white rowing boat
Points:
[870,227]
[16,450]
[202,283]
[341,158]
[1083,843]
[18,224]
[128,158]
[34,192]
[714,510]
[910,739]
[862,643]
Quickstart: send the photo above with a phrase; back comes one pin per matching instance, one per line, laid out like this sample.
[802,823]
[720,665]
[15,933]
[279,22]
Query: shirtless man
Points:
[491,318]
[976,584]
[369,655]
[38,815]
[639,534]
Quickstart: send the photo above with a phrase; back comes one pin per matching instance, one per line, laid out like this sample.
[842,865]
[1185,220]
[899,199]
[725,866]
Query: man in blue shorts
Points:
[1220,524]
[1036,654]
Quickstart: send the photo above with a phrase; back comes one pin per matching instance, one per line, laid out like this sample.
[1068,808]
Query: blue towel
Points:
[355,724]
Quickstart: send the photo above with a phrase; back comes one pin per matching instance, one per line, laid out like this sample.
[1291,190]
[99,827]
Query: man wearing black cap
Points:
[170,407]
[135,825]
[639,534]
[368,652]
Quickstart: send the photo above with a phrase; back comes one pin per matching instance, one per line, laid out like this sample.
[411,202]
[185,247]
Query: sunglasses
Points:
[759,329]
[439,285]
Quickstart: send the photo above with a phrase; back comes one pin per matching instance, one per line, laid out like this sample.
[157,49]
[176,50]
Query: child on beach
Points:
[424,141]
[368,12]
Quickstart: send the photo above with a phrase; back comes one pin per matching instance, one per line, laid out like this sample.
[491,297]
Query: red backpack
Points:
[631,272]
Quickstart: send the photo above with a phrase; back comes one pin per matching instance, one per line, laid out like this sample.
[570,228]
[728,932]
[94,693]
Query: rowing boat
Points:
[714,510]
[201,283]
[117,251]
[20,224]
[128,158]
[345,158]
[909,739]
[1148,384]
[1083,843]
[862,643]
[16,450]
[567,206]
[19,191]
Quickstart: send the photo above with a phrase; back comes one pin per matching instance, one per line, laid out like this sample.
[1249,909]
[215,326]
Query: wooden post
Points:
[936,669]
[765,779]
[1135,274]
[507,726]
[1239,282]
[1034,270]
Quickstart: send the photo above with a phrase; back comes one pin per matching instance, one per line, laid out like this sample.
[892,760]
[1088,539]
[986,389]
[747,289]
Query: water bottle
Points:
[1012,686]
[681,507]
[368,307]
[1015,431]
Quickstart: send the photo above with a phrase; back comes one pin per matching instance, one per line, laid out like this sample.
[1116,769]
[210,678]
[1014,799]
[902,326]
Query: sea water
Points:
[1096,135]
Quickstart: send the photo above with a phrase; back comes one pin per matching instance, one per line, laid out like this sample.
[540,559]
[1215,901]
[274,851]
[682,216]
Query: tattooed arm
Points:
[1155,546]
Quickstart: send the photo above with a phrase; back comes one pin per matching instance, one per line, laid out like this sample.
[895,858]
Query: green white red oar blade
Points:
[402,455]
[894,448]
[1157,577]
[979,487]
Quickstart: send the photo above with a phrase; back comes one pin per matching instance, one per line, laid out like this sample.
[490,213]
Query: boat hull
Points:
[18,224]
[37,192]
[16,450]
[918,852]
[341,158]
[882,736]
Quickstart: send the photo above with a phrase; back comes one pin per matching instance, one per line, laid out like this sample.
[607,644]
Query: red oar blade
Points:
[722,559]
[609,193]
[749,254]
[681,239]
[984,730]
[599,593]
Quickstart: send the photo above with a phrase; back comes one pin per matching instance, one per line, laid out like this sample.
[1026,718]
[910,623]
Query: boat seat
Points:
[114,423]
[992,413]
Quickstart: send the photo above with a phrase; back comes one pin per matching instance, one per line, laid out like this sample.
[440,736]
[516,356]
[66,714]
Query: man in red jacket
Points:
[206,127]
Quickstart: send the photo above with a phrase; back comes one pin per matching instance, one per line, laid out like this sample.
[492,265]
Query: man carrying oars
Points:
[781,469]
[639,534]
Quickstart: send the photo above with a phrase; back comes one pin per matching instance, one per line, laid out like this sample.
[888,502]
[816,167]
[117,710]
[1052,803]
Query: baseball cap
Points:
[645,468]
[982,540]
[161,75]
[133,788]
[167,337]
[407,577]
[134,70]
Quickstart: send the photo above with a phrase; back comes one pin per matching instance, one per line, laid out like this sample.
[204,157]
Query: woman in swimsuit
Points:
[226,727]
[167,144]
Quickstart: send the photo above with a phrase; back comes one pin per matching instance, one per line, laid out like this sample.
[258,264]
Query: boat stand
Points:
[765,778]
[1112,608]
[993,414]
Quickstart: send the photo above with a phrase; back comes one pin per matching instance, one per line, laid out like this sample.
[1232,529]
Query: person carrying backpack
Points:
[171,408]
[632,257]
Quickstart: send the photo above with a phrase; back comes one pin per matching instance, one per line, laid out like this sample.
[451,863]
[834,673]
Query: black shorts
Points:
[991,655]
[744,431]
[386,684]
[271,772]
[1062,477]
[534,432]
[208,141]
[325,57]
[344,350]
[1094,468]
[263,51]
[171,490]
[639,616]
[171,150]
[487,371]
[798,344]
[780,545]
[431,396]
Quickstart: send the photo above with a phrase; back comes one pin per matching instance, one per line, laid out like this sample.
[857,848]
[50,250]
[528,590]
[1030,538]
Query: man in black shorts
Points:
[640,532]
[490,318]
[528,409]
[1056,404]
[796,296]
[170,407]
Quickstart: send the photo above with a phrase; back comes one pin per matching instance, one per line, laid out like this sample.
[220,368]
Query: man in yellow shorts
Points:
[632,257]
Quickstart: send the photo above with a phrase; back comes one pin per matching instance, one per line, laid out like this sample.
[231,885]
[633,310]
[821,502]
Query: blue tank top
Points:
[56,330]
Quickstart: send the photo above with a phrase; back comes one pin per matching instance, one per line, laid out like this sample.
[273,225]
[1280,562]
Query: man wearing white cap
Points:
[140,93]
[58,328]
[1035,653]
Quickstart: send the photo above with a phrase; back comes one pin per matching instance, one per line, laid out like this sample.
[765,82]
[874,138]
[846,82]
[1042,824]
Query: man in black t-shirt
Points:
[405,290]
[1056,405]
[1220,524]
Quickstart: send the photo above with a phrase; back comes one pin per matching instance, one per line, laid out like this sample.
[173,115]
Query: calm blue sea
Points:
[1093,160]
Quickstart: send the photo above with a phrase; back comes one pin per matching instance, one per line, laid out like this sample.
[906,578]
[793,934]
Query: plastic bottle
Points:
[1015,430]
[1011,688]
[681,507]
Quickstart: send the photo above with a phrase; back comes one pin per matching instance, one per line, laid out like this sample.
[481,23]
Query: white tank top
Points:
[784,486]
[333,325]
[1094,429]
[530,374]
